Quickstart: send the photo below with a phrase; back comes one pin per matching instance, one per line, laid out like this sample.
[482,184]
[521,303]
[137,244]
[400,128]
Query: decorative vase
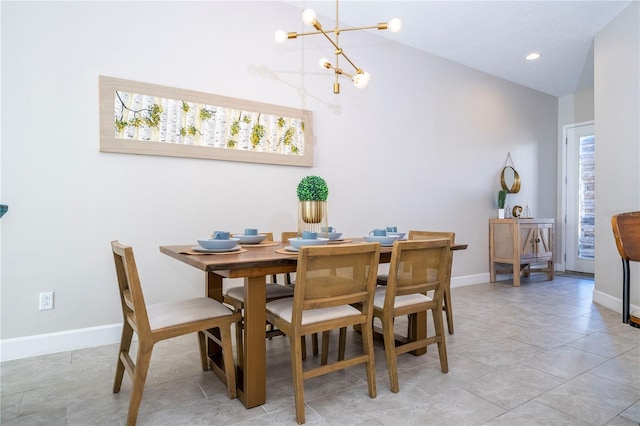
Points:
[500,213]
[312,216]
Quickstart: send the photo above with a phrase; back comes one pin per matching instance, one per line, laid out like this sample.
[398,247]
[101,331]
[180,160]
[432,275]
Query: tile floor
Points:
[540,354]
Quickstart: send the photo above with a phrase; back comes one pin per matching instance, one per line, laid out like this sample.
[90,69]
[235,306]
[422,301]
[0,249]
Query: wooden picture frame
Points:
[150,119]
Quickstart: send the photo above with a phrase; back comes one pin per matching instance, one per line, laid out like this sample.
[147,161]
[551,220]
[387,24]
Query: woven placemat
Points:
[285,251]
[261,244]
[242,250]
[339,241]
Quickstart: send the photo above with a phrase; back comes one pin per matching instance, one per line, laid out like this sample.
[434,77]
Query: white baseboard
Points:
[611,302]
[469,280]
[42,344]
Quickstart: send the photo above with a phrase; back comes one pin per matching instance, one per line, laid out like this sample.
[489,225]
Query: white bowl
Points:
[210,243]
[250,239]
[330,235]
[385,240]
[400,235]
[299,242]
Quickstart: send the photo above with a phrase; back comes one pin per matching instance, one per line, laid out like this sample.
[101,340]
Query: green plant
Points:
[502,197]
[312,188]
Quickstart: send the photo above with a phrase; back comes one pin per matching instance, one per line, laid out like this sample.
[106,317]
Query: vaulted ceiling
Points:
[491,36]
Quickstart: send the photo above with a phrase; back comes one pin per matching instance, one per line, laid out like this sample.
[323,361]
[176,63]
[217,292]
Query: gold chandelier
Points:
[360,78]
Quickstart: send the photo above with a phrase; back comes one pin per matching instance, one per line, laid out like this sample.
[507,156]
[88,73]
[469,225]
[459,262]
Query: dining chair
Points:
[418,268]
[424,235]
[234,296]
[284,237]
[329,281]
[626,231]
[160,321]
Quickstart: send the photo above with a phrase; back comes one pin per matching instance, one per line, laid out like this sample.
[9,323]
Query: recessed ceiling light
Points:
[532,56]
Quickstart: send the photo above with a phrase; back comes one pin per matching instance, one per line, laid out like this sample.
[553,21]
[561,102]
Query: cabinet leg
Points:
[516,275]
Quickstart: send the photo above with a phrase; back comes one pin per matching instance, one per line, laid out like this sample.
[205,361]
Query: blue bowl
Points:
[210,243]
[385,240]
[250,239]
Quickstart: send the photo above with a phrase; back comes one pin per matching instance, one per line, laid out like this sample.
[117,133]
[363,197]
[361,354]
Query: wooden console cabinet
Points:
[521,243]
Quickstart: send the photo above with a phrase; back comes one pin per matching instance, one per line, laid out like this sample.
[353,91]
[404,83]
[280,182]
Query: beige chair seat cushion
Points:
[274,291]
[401,301]
[167,314]
[283,308]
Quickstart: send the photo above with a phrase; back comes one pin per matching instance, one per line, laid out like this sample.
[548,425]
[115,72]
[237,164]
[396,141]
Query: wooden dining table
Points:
[254,263]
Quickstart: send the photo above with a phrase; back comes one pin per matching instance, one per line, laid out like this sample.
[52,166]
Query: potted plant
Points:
[502,198]
[312,202]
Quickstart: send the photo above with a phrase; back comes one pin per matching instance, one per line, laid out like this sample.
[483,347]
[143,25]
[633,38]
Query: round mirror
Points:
[510,180]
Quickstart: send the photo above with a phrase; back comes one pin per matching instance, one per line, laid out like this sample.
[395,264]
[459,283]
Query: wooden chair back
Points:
[451,236]
[284,237]
[626,231]
[427,235]
[331,276]
[134,309]
[417,267]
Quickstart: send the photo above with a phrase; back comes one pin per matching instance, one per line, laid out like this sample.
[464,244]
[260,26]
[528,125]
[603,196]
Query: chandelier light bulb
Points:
[309,17]
[395,25]
[361,79]
[280,36]
[324,63]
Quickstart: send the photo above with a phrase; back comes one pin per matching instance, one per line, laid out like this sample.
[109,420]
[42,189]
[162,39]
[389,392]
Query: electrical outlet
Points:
[46,300]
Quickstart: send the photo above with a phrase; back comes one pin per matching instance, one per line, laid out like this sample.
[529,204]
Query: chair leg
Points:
[240,342]
[314,343]
[303,341]
[442,345]
[342,343]
[298,379]
[125,345]
[227,357]
[139,378]
[390,352]
[449,309]
[202,345]
[326,335]
[367,346]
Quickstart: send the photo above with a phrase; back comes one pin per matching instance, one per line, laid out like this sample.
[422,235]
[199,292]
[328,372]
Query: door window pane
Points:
[586,235]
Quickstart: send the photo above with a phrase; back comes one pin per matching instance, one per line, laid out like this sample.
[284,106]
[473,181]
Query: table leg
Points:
[418,330]
[252,375]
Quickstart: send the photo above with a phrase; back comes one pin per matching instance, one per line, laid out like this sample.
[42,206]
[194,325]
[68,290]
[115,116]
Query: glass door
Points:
[580,203]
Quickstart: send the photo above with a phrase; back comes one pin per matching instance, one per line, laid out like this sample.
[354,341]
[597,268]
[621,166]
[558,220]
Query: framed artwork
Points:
[149,119]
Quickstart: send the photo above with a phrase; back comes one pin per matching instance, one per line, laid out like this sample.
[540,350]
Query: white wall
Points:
[617,127]
[421,153]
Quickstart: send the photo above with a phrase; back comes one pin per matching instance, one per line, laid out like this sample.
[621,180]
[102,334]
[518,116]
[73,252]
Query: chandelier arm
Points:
[306,34]
[338,49]
[381,26]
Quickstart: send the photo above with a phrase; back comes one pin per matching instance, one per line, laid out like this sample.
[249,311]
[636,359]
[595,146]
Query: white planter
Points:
[500,213]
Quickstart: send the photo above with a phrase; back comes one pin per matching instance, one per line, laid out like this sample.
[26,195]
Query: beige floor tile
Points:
[539,354]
